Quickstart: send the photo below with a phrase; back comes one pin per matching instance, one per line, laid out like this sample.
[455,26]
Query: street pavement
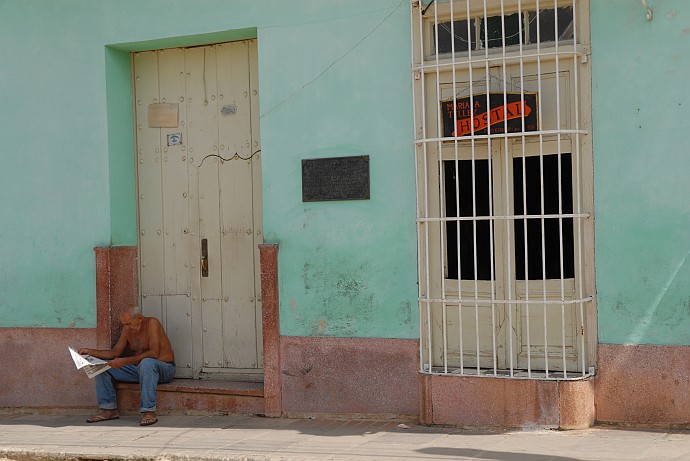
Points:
[46,437]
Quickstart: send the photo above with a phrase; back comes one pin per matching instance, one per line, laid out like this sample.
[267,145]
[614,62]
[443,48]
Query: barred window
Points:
[504,188]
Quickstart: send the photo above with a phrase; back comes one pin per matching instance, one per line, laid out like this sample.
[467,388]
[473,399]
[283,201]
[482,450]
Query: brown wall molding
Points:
[268,258]
[117,285]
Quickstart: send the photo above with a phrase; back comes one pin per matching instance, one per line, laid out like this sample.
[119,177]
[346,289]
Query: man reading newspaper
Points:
[153,362]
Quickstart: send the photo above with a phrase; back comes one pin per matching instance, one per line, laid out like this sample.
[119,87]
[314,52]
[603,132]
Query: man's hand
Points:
[85,351]
[117,363]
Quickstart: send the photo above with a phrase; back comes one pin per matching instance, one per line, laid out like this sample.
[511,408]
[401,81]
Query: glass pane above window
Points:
[491,30]
[457,33]
[547,25]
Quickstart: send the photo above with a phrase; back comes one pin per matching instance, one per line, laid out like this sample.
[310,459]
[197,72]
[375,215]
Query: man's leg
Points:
[151,373]
[105,391]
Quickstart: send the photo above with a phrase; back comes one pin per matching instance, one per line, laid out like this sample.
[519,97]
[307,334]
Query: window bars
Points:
[504,188]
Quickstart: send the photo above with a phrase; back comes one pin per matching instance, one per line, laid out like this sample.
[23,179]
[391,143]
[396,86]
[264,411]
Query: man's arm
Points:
[108,354]
[153,352]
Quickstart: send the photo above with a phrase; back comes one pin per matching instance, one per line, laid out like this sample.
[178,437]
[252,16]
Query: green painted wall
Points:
[334,80]
[346,268]
[641,124]
[54,176]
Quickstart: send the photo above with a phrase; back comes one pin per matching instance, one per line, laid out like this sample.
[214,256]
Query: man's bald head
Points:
[130,313]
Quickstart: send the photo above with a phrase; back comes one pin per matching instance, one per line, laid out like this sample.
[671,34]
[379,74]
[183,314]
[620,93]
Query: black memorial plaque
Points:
[339,178]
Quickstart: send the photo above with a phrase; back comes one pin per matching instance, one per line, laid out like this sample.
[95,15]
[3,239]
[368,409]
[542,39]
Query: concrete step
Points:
[198,397]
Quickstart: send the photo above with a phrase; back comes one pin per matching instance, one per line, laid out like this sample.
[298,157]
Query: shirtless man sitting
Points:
[153,363]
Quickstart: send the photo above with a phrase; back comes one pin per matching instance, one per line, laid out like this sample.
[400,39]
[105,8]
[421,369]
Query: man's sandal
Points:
[148,420]
[100,417]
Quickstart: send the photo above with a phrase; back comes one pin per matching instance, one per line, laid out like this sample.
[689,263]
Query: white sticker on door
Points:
[174,139]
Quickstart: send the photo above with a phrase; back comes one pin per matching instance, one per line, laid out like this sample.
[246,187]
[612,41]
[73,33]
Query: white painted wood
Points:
[152,306]
[212,333]
[187,193]
[257,197]
[171,67]
[150,222]
[239,320]
[178,326]
[202,129]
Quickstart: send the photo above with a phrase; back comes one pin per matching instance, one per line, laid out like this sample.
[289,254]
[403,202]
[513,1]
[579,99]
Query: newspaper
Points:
[92,366]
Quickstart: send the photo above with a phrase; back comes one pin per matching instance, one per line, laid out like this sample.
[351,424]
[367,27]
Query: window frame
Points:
[429,66]
[443,14]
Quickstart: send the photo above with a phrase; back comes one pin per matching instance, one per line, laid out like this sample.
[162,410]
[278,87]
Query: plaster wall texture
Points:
[655,393]
[357,377]
[39,371]
[640,118]
[334,81]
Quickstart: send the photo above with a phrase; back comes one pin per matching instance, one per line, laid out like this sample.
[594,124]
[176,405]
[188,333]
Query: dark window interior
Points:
[465,236]
[460,35]
[551,225]
[547,25]
[514,26]
[463,233]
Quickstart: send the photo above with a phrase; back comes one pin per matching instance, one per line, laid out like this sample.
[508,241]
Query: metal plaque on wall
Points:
[338,178]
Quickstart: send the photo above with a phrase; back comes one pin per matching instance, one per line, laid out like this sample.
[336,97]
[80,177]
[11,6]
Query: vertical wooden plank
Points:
[202,133]
[171,79]
[212,333]
[178,327]
[177,303]
[239,319]
[152,306]
[257,195]
[193,242]
[149,175]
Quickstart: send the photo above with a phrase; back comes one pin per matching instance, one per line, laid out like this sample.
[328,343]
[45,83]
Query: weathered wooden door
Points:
[199,191]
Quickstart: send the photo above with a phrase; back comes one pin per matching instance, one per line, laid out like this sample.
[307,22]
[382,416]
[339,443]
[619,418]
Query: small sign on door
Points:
[163,115]
[174,139]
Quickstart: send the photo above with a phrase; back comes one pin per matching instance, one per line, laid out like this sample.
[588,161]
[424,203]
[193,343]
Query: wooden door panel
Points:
[191,190]
[149,174]
[175,187]
[178,326]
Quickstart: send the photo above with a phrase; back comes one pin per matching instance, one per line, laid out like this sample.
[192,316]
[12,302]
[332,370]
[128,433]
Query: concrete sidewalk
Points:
[24,437]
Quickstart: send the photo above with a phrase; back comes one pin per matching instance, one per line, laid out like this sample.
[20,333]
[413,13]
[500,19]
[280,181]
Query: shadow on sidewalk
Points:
[470,453]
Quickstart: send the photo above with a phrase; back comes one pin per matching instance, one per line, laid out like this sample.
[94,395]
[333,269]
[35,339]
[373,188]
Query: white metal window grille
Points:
[504,187]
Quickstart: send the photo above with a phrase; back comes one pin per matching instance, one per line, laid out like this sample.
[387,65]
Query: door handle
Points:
[204,257]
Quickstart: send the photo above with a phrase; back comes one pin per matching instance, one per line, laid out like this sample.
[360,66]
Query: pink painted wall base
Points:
[349,376]
[374,377]
[648,385]
[500,402]
[39,371]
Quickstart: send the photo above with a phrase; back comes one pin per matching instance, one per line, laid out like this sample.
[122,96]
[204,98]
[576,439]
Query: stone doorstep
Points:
[197,386]
[206,397]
